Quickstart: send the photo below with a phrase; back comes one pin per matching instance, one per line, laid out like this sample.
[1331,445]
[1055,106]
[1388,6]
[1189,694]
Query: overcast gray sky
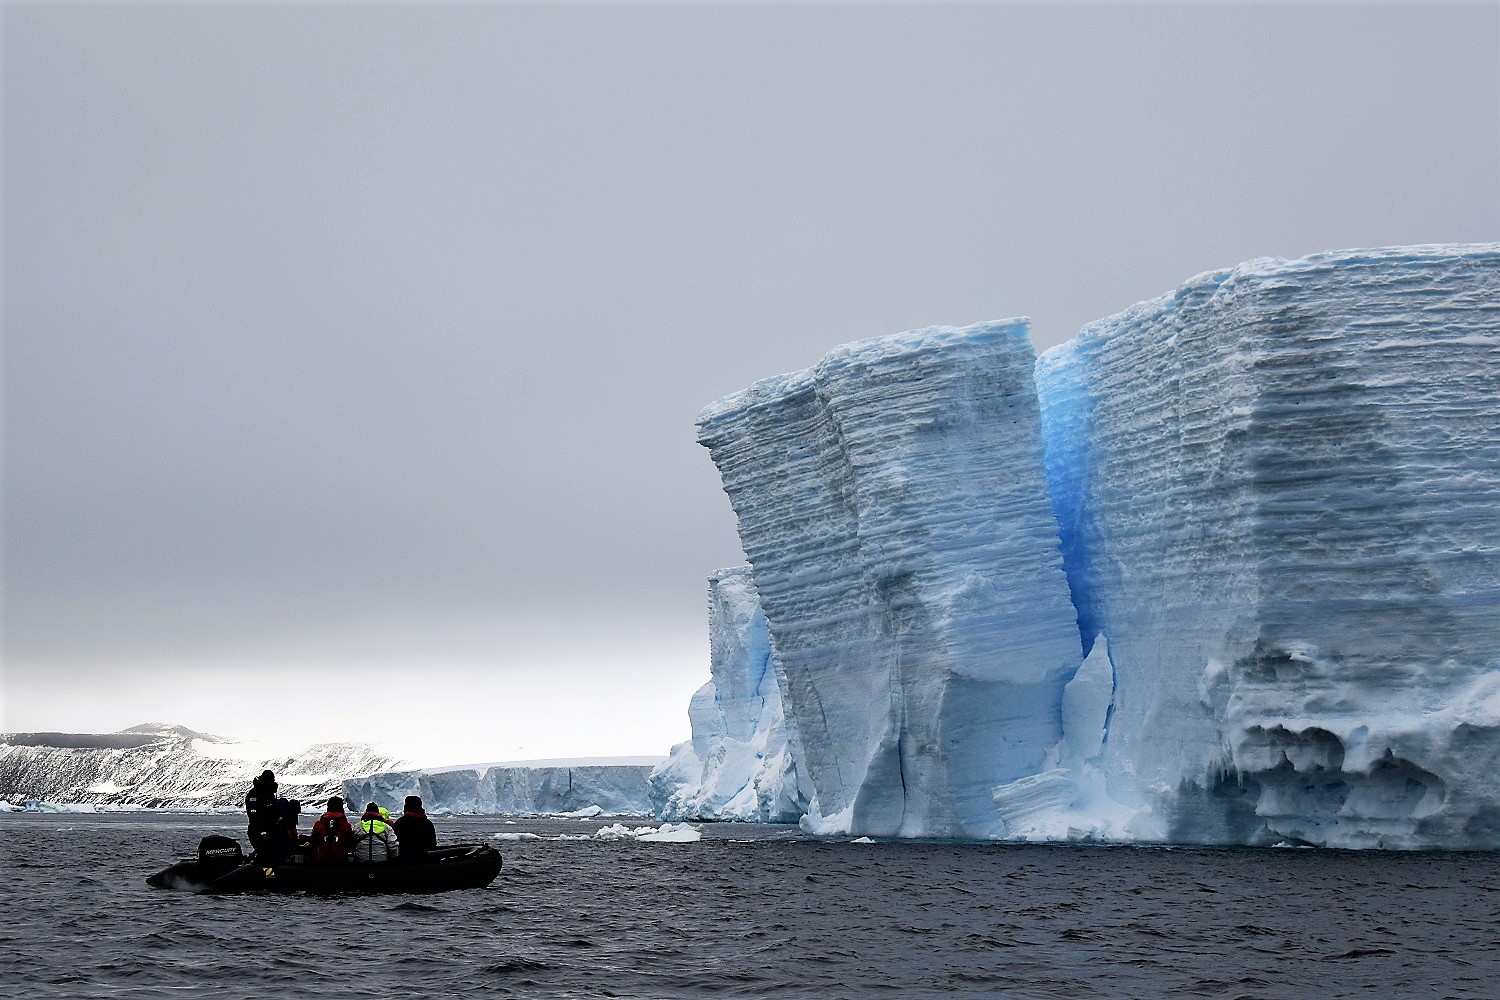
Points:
[352,352]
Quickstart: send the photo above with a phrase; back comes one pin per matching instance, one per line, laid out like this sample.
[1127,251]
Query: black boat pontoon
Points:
[220,871]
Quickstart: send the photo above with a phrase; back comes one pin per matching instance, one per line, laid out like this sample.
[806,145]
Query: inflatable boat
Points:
[219,869]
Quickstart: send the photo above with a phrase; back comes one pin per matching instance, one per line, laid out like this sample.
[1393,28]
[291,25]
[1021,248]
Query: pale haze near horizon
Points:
[352,353]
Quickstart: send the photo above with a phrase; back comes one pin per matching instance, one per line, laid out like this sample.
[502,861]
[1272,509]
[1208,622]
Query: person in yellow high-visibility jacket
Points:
[374,840]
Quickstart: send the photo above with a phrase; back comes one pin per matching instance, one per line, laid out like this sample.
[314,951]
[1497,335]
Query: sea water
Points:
[751,911]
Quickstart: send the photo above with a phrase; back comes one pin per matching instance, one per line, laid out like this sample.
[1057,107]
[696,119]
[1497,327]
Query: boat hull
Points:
[463,866]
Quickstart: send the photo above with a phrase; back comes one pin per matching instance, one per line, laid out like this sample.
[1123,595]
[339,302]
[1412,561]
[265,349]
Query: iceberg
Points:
[889,499]
[1224,568]
[1278,495]
[667,833]
[741,763]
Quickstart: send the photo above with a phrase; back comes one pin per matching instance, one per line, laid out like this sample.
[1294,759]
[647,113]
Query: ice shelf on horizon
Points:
[1224,568]
[511,790]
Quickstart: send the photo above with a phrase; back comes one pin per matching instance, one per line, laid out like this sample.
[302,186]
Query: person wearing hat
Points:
[415,832]
[332,836]
[373,840]
[267,835]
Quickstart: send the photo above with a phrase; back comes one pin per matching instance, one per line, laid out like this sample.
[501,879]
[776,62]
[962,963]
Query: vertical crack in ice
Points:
[1066,413]
[1114,687]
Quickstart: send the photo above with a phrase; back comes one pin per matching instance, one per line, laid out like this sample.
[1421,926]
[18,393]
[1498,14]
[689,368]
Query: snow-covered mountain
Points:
[169,767]
[1225,568]
[167,729]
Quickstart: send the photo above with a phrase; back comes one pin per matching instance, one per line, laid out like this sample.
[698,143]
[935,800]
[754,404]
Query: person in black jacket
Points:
[291,811]
[415,832]
[267,834]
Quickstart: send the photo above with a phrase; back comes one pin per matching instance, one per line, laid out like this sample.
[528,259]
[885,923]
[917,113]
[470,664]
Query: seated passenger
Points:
[372,841]
[291,809]
[415,832]
[332,836]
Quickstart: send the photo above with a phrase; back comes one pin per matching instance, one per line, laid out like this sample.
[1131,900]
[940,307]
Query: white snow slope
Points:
[169,768]
[1225,568]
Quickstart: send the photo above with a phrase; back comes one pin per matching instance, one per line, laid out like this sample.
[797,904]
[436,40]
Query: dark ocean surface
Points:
[751,911]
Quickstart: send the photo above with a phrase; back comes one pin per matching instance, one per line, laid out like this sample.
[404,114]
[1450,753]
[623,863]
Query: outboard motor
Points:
[220,852]
[217,857]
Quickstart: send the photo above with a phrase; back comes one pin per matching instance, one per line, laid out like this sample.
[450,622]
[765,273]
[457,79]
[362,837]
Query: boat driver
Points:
[267,834]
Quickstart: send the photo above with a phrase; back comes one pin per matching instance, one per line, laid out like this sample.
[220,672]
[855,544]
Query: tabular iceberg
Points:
[1225,568]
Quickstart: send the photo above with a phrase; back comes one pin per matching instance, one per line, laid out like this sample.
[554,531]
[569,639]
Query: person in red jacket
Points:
[332,836]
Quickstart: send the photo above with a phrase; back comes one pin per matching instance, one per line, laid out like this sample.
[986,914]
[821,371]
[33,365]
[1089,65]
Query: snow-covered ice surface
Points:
[740,763]
[1225,568]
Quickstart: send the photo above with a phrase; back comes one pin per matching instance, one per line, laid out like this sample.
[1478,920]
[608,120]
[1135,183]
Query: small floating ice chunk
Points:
[667,833]
[862,840]
[514,836]
[673,833]
[587,812]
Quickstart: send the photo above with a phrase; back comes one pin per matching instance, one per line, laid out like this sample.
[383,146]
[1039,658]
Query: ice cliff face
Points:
[741,762]
[888,499]
[500,789]
[1225,568]
[1279,497]
[166,767]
